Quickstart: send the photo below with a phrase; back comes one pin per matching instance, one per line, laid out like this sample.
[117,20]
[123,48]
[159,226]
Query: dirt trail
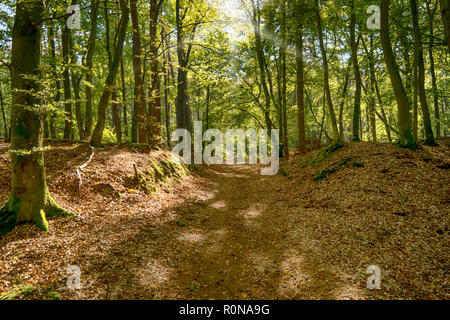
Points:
[235,242]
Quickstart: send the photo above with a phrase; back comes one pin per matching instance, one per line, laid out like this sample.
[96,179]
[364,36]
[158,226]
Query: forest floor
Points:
[226,232]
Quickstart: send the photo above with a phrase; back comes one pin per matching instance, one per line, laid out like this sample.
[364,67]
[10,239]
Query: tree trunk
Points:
[116,116]
[78,115]
[124,99]
[5,125]
[432,70]
[357,75]
[300,88]
[284,90]
[139,98]
[66,50]
[341,107]
[166,88]
[89,62]
[96,139]
[418,56]
[261,61]
[404,115]
[52,45]
[155,85]
[29,201]
[326,75]
[183,113]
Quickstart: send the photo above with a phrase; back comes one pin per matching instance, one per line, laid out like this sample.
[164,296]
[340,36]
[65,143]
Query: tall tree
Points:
[67,60]
[89,63]
[326,73]
[431,14]
[139,97]
[97,135]
[29,201]
[155,85]
[183,112]
[404,109]
[300,79]
[418,56]
[356,73]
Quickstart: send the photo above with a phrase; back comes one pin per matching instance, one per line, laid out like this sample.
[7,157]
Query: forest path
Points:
[238,242]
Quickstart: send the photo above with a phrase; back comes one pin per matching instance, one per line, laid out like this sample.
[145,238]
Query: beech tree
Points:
[30,200]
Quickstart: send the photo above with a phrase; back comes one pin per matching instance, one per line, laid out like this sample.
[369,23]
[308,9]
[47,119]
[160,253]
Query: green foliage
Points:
[18,291]
[109,136]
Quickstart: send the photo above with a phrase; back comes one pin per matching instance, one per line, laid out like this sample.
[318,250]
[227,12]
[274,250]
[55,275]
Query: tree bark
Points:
[96,139]
[124,99]
[29,201]
[183,113]
[418,56]
[437,120]
[326,75]
[139,98]
[357,75]
[404,115]
[155,85]
[66,49]
[89,63]
[5,125]
[284,90]
[300,87]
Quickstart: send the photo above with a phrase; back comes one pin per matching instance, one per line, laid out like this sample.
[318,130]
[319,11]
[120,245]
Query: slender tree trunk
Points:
[432,69]
[256,22]
[78,115]
[116,116]
[155,85]
[404,115]
[52,45]
[139,98]
[284,92]
[165,72]
[357,75]
[300,88]
[418,56]
[124,99]
[183,113]
[89,63]
[326,74]
[66,49]
[96,139]
[341,107]
[5,125]
[372,106]
[29,201]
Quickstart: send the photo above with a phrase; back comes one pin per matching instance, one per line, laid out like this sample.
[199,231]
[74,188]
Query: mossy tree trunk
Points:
[29,201]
